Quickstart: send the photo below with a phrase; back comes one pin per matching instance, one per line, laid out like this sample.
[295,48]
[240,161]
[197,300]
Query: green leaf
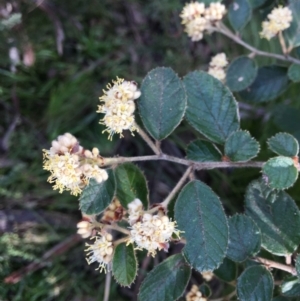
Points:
[167,281]
[281,172]
[241,73]
[124,264]
[244,238]
[239,14]
[284,144]
[291,287]
[294,73]
[203,151]
[227,271]
[199,213]
[270,82]
[207,2]
[292,34]
[255,284]
[256,3]
[277,216]
[297,265]
[212,109]
[205,290]
[97,196]
[240,146]
[131,184]
[162,103]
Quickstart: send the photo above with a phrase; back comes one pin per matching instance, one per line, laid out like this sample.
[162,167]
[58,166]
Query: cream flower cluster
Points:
[197,19]
[150,232]
[69,167]
[85,229]
[194,294]
[101,251]
[280,19]
[135,211]
[118,106]
[217,66]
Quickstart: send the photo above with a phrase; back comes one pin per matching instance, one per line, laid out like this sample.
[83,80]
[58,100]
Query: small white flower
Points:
[207,276]
[215,12]
[135,211]
[70,166]
[279,19]
[100,251]
[153,233]
[219,61]
[217,73]
[118,106]
[194,294]
[85,229]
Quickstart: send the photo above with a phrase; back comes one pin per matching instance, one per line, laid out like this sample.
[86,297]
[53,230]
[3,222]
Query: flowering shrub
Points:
[263,240]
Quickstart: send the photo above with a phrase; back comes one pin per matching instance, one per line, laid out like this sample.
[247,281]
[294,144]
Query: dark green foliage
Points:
[239,14]
[284,144]
[241,73]
[167,281]
[244,238]
[277,216]
[271,81]
[203,151]
[255,284]
[97,196]
[162,103]
[124,264]
[131,184]
[281,172]
[200,215]
[240,146]
[212,109]
[227,271]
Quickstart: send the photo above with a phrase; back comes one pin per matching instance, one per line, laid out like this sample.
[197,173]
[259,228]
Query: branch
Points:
[177,187]
[273,264]
[195,164]
[107,286]
[147,139]
[225,31]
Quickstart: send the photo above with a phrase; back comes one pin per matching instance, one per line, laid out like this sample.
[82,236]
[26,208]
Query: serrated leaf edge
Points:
[136,272]
[190,272]
[252,138]
[226,221]
[185,102]
[268,183]
[243,214]
[277,152]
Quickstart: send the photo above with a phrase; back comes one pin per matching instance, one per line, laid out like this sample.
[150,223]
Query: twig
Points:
[107,286]
[177,187]
[116,228]
[196,165]
[57,250]
[282,43]
[148,140]
[273,264]
[225,31]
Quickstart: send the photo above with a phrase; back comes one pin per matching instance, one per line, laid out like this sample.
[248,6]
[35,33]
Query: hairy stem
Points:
[228,33]
[195,164]
[148,140]
[107,286]
[177,187]
[273,264]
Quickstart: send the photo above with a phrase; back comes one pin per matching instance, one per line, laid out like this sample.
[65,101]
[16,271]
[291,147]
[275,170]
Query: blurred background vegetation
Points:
[55,59]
